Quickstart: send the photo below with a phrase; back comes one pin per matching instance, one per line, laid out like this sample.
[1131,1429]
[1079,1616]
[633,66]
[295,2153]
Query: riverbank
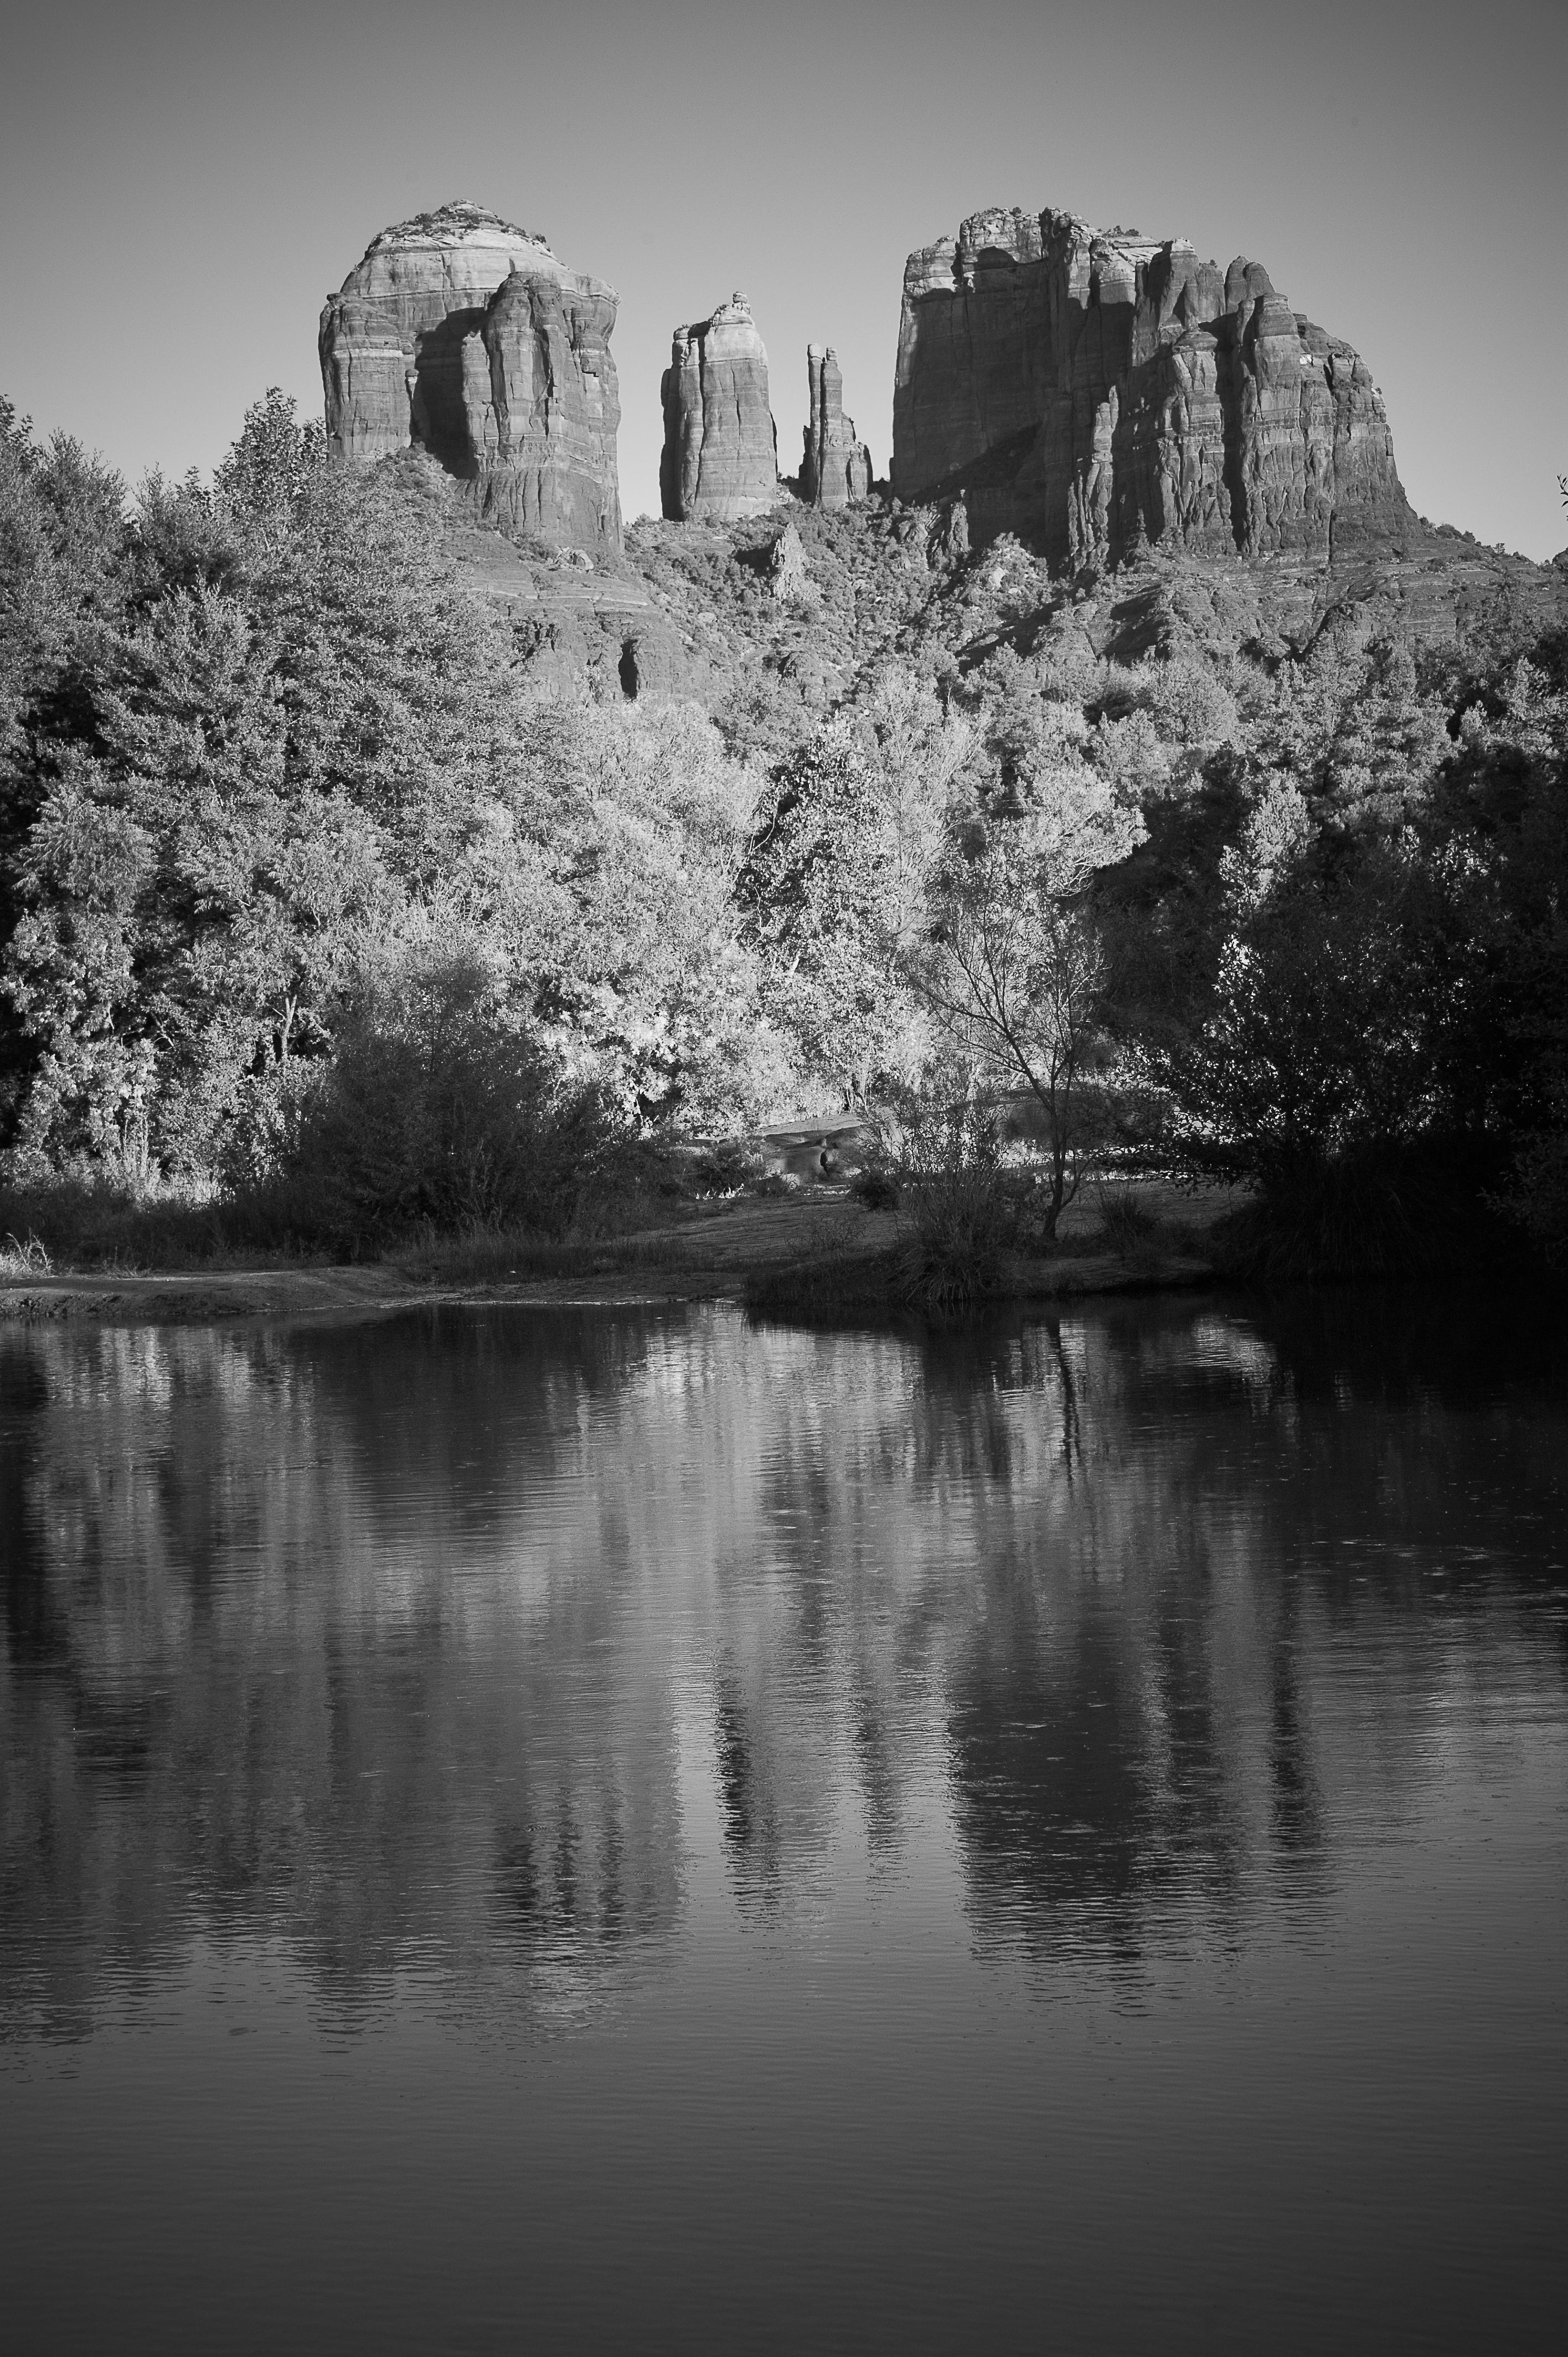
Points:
[729,1249]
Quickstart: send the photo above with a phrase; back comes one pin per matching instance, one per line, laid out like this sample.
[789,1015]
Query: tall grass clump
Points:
[963,1211]
[1127,1226]
[24,1257]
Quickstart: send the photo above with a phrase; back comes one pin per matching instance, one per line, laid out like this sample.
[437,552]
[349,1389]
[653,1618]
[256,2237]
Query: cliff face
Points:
[719,457]
[467,336]
[835,468]
[1101,391]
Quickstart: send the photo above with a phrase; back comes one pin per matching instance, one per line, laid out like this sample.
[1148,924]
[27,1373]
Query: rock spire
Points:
[835,468]
[719,457]
[1099,391]
[467,336]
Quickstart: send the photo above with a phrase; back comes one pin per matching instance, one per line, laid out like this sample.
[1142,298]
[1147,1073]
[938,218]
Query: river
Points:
[632,1829]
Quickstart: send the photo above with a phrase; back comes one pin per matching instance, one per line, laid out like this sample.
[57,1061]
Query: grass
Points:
[25,1259]
[1129,1228]
[496,1256]
[956,1245]
[830,1287]
[71,1225]
[962,1224]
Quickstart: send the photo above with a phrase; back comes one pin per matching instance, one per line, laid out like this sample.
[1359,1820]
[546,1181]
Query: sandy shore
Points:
[710,1257]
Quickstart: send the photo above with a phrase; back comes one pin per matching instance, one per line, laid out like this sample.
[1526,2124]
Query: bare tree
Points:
[1014,968]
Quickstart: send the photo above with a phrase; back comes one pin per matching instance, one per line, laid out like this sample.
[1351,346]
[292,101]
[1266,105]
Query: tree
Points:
[232,778]
[836,884]
[608,867]
[1014,967]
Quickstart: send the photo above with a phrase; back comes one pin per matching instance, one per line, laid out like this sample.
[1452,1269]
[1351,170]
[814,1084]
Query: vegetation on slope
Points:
[319,891]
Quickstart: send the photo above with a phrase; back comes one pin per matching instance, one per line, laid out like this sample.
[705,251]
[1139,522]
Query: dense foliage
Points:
[311,873]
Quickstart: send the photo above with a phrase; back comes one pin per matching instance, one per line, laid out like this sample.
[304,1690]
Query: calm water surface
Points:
[612,1829]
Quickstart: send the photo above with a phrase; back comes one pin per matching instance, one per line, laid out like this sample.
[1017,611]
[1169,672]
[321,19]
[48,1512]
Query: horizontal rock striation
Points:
[1099,392]
[835,468]
[720,457]
[467,336]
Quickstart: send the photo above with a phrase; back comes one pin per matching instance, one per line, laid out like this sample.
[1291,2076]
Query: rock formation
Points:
[787,567]
[1097,391]
[464,335]
[719,457]
[835,468]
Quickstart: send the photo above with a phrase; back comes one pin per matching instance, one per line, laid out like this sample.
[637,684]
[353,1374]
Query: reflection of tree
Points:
[270,1646]
[750,1825]
[1135,1732]
[1297,1803]
[369,1640]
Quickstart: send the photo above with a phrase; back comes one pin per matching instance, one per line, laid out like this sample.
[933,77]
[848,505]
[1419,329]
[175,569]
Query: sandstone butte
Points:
[835,468]
[1105,397]
[1099,392]
[720,458]
[464,335]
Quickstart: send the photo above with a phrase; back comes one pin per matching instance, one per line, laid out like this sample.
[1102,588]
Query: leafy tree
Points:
[609,868]
[242,770]
[62,553]
[836,885]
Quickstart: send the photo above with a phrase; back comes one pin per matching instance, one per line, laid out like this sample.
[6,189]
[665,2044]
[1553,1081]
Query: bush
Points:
[1126,1222]
[1538,1199]
[876,1188]
[24,1257]
[964,1221]
[1385,1215]
[726,1169]
[99,1222]
[440,1109]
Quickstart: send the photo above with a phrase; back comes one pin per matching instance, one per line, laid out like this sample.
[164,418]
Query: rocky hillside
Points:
[1103,447]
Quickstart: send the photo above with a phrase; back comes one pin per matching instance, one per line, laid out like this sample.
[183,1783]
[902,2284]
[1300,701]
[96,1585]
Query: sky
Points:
[180,186]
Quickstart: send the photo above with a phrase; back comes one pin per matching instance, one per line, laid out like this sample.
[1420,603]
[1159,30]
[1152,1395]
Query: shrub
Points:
[1126,1222]
[28,1257]
[97,1221]
[726,1167]
[876,1188]
[439,1107]
[1374,1215]
[964,1221]
[1538,1199]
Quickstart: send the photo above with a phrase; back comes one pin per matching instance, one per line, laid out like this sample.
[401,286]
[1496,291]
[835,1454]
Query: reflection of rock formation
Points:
[720,457]
[1097,391]
[372,1638]
[835,468]
[467,336]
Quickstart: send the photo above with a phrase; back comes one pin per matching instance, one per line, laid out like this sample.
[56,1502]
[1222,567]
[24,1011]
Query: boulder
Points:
[835,468]
[720,457]
[1097,392]
[467,336]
